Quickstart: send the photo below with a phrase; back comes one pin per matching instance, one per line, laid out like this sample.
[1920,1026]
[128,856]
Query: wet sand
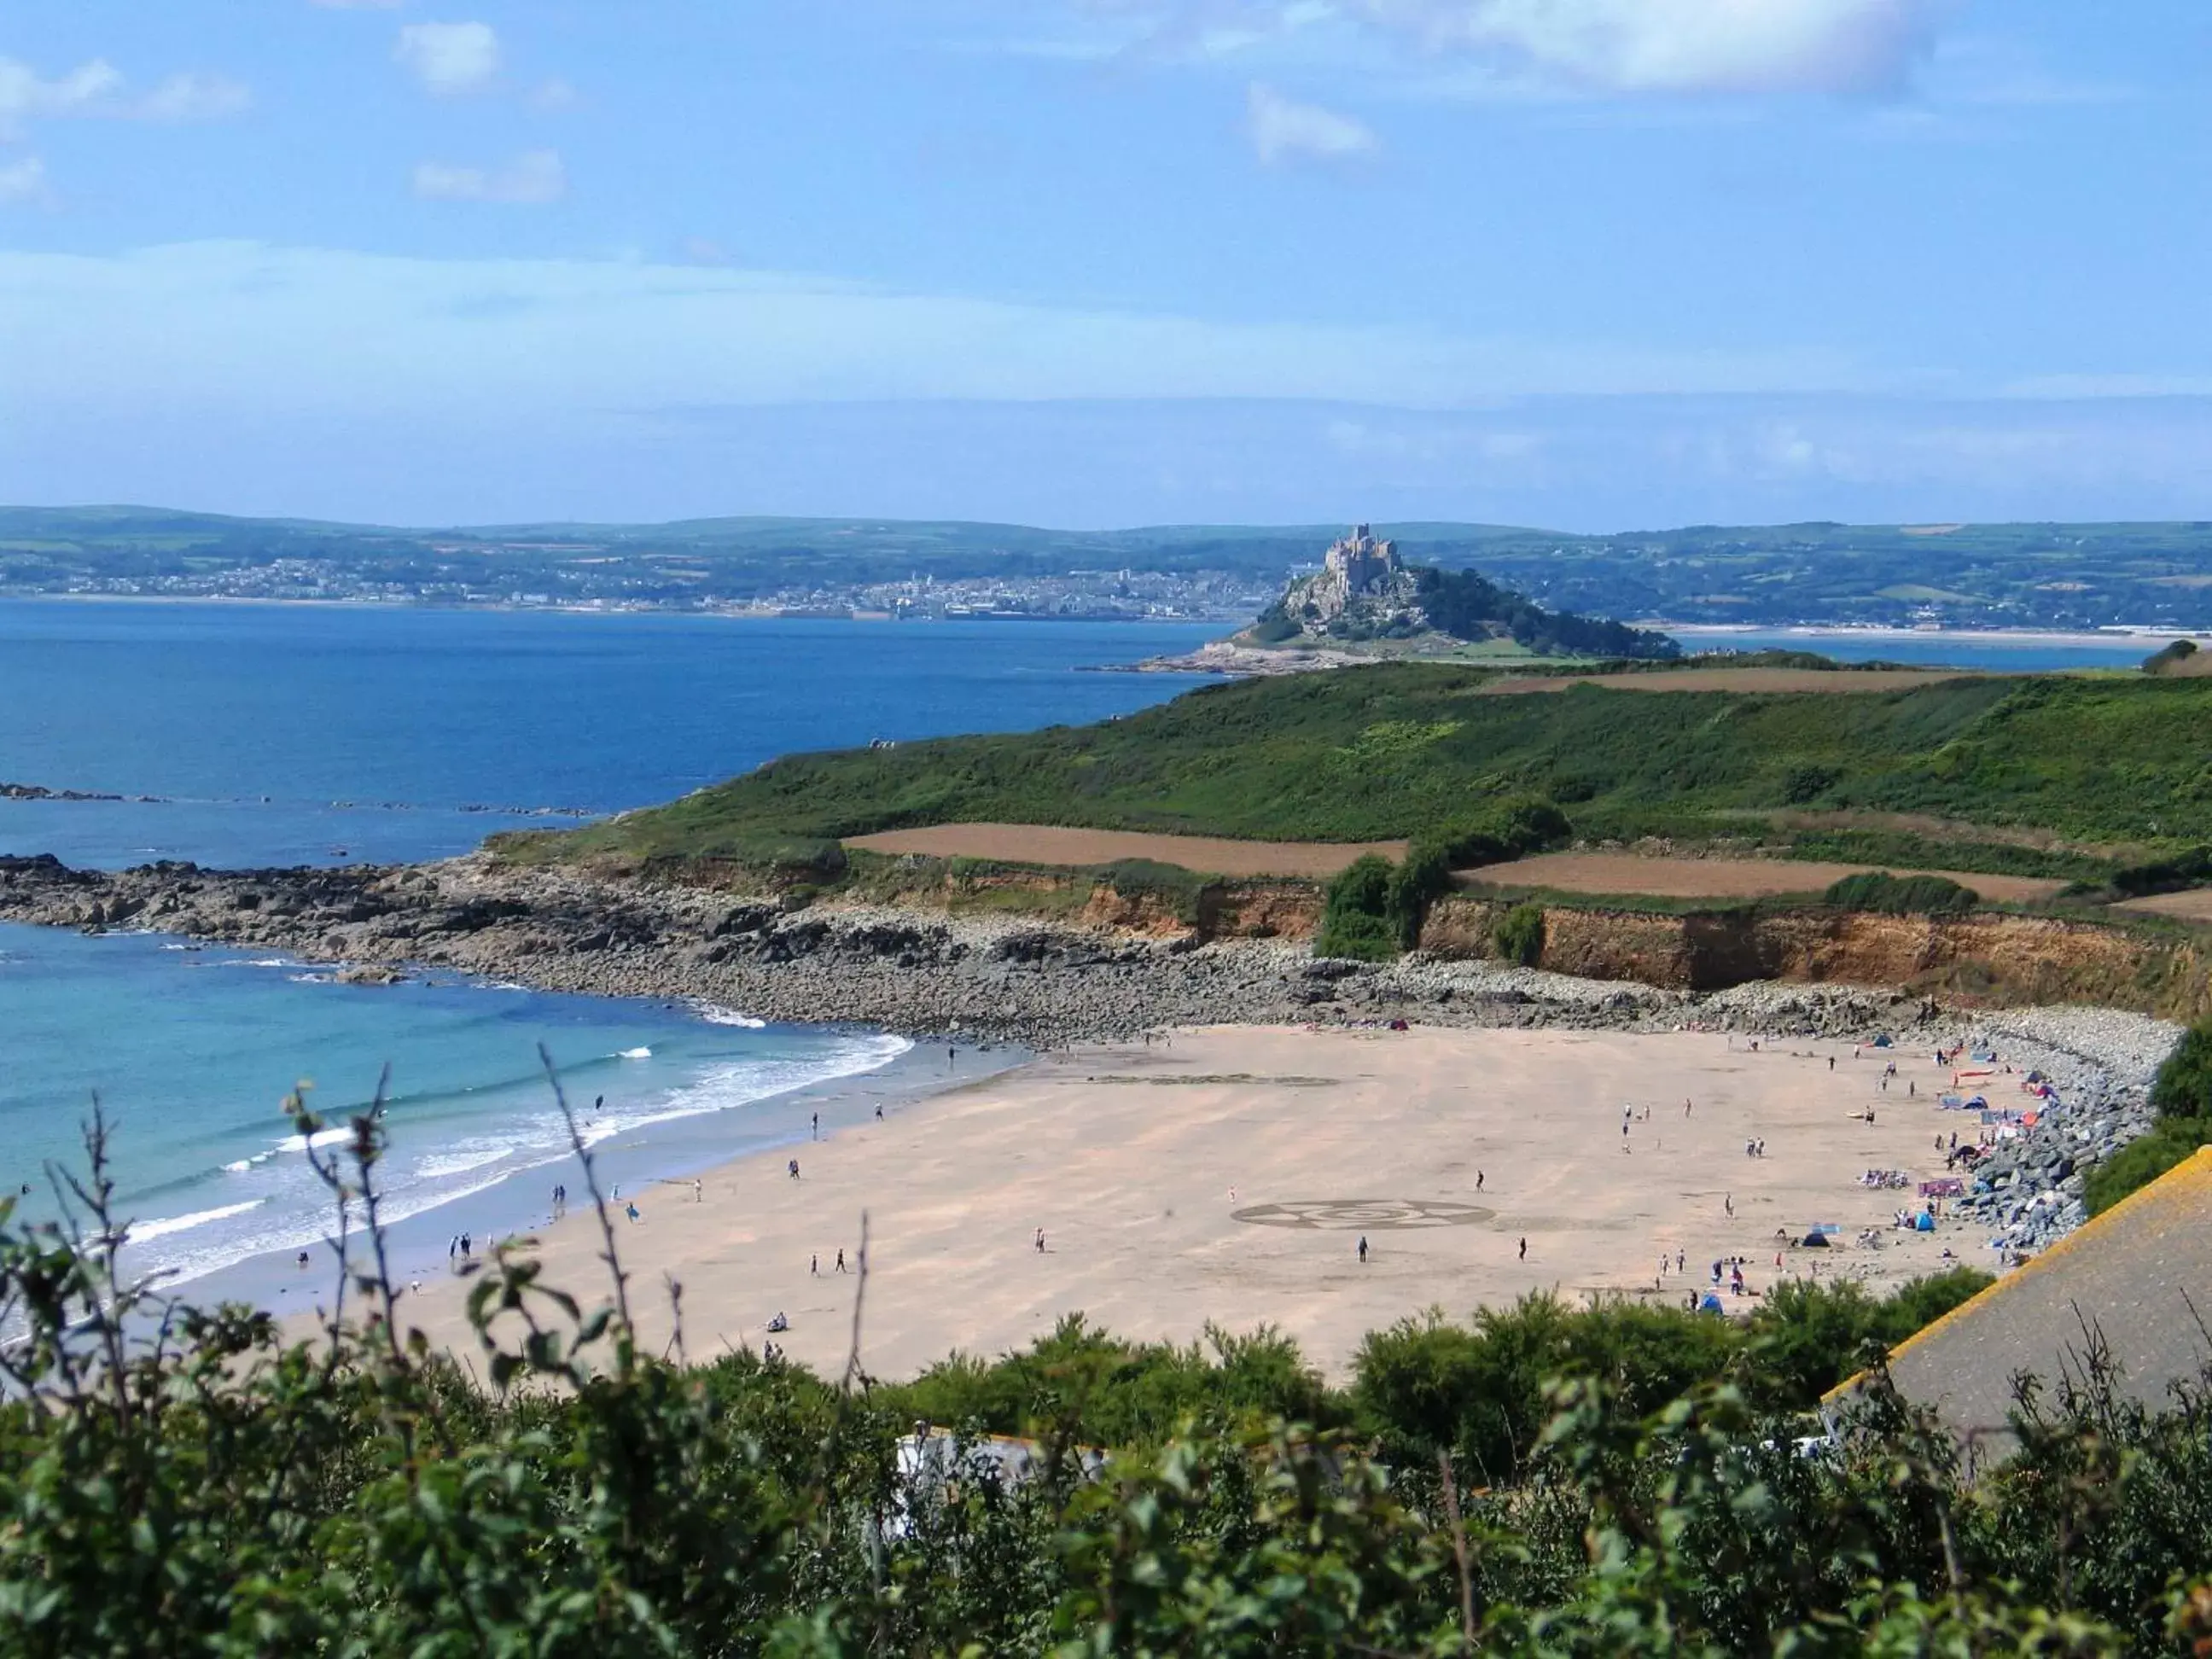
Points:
[1227,1175]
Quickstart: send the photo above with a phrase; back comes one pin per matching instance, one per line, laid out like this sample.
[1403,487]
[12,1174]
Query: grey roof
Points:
[2139,1277]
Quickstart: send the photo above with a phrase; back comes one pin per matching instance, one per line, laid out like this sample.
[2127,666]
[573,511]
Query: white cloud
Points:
[553,93]
[26,95]
[1680,46]
[449,57]
[98,89]
[24,181]
[1282,129]
[534,177]
[193,97]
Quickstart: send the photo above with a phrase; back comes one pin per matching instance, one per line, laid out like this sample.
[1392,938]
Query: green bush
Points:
[1355,918]
[1519,935]
[1901,895]
[1418,883]
[2168,1142]
[2182,1087]
[2169,657]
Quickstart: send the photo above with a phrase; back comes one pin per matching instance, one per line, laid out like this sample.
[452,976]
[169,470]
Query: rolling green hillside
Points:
[1404,749]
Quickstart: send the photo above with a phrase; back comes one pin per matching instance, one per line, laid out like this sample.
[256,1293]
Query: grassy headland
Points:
[2078,777]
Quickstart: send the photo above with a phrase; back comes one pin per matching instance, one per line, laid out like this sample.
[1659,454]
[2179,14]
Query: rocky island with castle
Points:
[1367,603]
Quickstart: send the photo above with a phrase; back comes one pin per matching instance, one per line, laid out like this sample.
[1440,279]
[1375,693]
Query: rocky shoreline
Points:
[926,973]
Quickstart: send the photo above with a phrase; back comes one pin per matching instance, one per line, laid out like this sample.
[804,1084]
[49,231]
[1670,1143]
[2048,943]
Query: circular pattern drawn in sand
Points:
[1374,1215]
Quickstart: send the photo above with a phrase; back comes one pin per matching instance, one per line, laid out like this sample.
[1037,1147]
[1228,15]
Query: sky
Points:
[1592,265]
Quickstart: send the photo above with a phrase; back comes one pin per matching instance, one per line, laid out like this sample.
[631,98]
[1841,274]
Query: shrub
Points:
[2165,661]
[2182,1087]
[1425,876]
[1355,921]
[1519,934]
[1511,827]
[2169,1142]
[1898,896]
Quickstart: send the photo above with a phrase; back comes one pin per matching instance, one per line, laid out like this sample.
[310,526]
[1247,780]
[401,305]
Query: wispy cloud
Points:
[532,179]
[1283,129]
[1679,46]
[24,182]
[98,89]
[449,58]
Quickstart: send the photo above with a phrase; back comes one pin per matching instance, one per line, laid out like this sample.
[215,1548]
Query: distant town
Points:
[1208,595]
[2068,577]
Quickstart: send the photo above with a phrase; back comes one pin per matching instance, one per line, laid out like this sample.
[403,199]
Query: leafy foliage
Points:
[1355,920]
[1519,935]
[1468,607]
[1901,896]
[177,1481]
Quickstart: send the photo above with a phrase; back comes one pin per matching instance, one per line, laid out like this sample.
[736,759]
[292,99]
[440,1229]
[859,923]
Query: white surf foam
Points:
[714,1015]
[140,1231]
[320,1138]
[635,1054]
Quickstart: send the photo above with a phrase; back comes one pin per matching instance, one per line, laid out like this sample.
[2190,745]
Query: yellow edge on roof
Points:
[2197,1165]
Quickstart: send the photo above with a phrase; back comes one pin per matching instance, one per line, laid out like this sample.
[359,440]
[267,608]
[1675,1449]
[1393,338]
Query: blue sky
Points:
[1596,264]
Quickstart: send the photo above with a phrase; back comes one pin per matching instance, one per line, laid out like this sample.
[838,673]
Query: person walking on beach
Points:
[1727,1202]
[879,1111]
[794,1169]
[1040,1241]
[814,1264]
[1524,1250]
[698,1192]
[453,1248]
[1478,1181]
[631,1209]
[1363,1248]
[817,1126]
[465,1247]
[841,1262]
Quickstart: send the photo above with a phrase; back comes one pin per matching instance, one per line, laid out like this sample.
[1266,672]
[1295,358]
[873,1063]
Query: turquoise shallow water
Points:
[191,1053]
[279,735]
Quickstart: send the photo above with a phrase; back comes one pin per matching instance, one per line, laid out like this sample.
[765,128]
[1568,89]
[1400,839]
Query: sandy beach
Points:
[1227,1175]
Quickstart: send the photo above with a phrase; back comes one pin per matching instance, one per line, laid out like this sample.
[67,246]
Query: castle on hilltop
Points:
[1360,577]
[1360,562]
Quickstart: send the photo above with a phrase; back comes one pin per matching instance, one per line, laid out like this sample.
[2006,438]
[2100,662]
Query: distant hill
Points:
[1365,592]
[2044,575]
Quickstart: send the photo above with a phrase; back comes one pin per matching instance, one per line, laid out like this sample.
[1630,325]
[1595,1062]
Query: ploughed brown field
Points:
[1661,877]
[1739,679]
[1036,843]
[2195,905]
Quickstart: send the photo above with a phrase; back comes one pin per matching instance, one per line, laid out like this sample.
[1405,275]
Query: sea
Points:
[2007,653]
[252,735]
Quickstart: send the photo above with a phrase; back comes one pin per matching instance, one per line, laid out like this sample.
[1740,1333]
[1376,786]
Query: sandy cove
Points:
[1212,1176]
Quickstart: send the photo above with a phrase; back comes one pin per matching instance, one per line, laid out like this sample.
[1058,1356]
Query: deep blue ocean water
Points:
[281,734]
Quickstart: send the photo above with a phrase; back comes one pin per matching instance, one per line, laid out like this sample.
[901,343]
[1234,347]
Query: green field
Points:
[2106,767]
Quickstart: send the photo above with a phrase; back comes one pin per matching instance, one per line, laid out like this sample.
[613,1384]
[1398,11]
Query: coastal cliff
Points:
[1034,957]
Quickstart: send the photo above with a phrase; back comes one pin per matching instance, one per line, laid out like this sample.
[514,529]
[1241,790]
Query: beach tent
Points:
[1926,1222]
[1881,1041]
[1815,1240]
[1711,1304]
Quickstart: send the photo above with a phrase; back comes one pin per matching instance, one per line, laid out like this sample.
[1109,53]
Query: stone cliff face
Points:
[1989,958]
[1046,958]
